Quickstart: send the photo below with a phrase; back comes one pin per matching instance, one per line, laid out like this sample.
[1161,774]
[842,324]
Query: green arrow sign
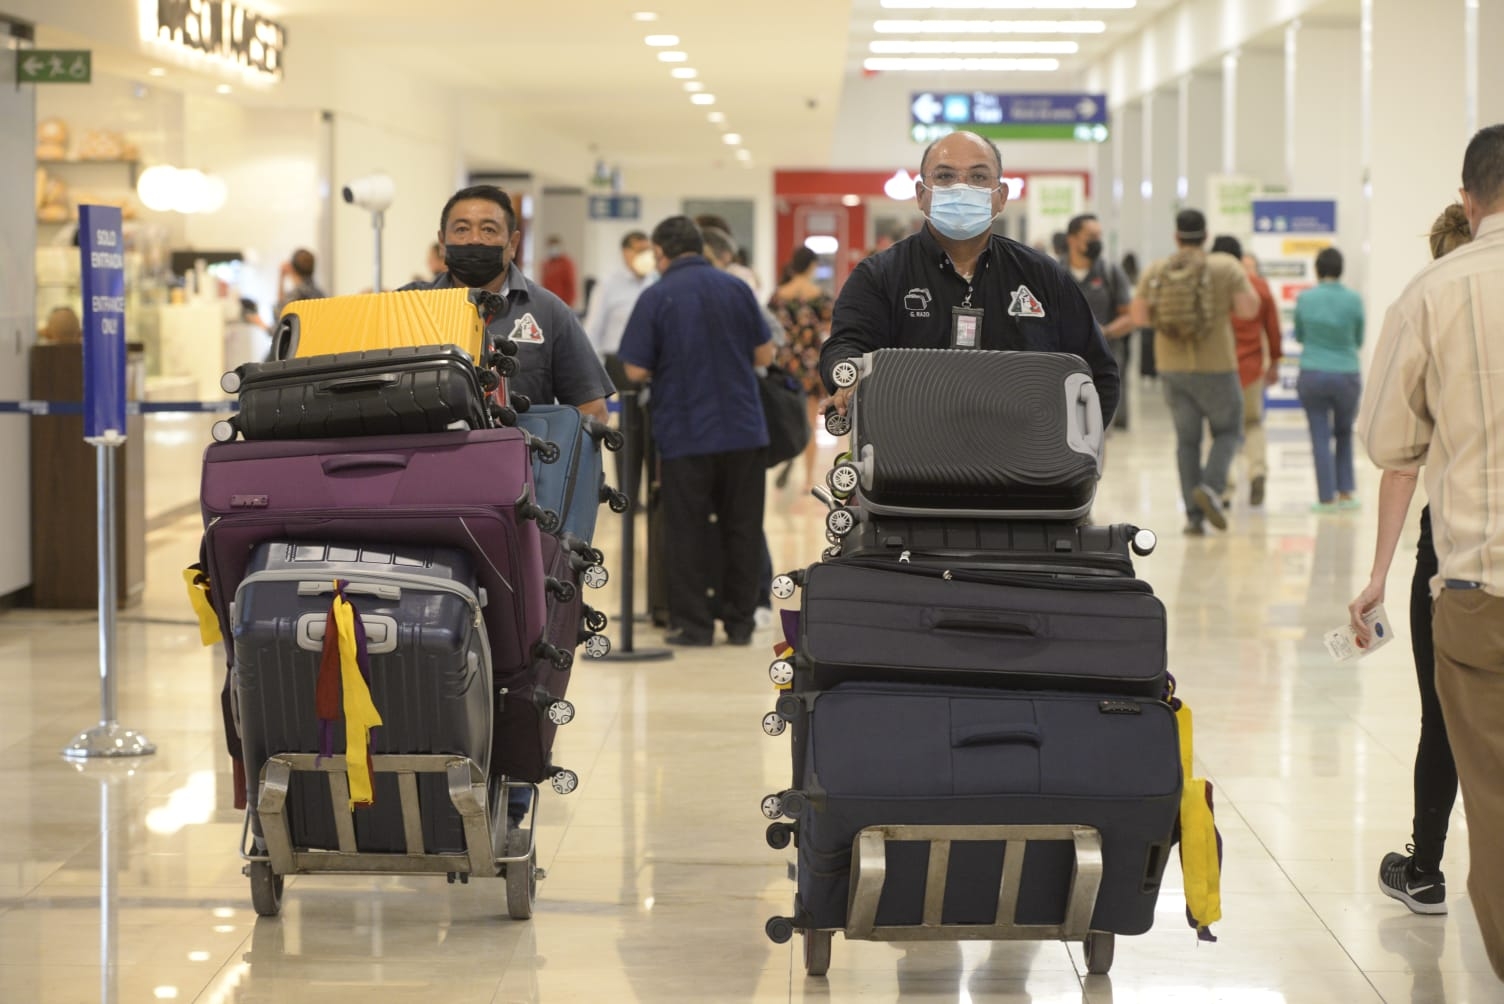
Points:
[53,66]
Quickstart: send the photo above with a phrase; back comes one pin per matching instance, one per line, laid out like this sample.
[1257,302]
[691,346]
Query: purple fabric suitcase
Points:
[448,489]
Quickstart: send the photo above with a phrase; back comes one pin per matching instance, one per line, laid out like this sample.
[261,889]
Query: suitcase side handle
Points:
[354,384]
[988,622]
[360,461]
[382,591]
[1084,429]
[1021,734]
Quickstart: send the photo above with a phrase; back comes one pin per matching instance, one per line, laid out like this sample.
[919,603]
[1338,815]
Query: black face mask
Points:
[1093,250]
[475,264]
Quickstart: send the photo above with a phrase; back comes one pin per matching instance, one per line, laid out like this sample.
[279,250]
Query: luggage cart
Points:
[869,866]
[491,849]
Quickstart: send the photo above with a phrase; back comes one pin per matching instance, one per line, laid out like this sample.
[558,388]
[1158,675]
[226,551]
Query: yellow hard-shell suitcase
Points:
[380,321]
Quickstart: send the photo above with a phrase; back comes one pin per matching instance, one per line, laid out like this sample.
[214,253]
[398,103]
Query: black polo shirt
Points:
[902,298]
[556,362]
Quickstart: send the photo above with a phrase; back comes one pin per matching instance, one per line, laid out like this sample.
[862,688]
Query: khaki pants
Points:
[1255,445]
[1469,629]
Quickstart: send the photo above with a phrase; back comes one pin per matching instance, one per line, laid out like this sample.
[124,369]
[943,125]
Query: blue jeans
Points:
[1217,400]
[1331,404]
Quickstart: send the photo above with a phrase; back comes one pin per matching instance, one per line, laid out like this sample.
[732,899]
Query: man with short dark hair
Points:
[955,284]
[1197,360]
[697,335]
[1434,398]
[298,270]
[1107,290]
[478,229]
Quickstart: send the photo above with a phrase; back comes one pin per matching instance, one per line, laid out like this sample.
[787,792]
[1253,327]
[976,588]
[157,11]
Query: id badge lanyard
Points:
[966,324]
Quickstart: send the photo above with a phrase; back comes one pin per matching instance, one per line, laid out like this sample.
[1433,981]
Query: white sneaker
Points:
[762,618]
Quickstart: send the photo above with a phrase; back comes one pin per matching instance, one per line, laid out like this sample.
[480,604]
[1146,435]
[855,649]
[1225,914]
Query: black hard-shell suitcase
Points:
[1021,545]
[378,392]
[873,619]
[430,677]
[530,704]
[891,754]
[943,432]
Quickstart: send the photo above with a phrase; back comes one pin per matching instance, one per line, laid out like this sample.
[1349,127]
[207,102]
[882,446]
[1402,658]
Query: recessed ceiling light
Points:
[974,48]
[223,88]
[732,139]
[684,72]
[937,27]
[644,15]
[693,85]
[744,155]
[661,41]
[702,99]
[946,64]
[717,117]
[851,200]
[156,71]
[673,56]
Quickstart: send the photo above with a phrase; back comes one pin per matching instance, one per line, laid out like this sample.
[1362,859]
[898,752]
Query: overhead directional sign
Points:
[1080,117]
[54,66]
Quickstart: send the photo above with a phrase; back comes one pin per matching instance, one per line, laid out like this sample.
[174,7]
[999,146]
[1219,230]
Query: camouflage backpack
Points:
[1180,298]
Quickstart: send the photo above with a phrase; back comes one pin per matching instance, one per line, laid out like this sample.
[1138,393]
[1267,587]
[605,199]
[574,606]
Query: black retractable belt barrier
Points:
[625,650]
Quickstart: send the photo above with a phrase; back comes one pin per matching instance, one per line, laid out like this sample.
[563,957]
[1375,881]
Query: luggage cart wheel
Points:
[780,835]
[266,889]
[596,576]
[1144,542]
[230,382]
[597,646]
[564,780]
[817,952]
[522,878]
[780,929]
[844,479]
[837,424]
[783,587]
[1098,947]
[772,807]
[773,724]
[840,522]
[781,672]
[561,712]
[844,373]
[613,440]
[595,620]
[223,431]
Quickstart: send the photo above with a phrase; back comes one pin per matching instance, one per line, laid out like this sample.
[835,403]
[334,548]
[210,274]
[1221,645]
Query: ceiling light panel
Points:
[702,99]
[974,48]
[959,64]
[1010,4]
[673,56]
[662,41]
[982,27]
[717,117]
[732,138]
[644,15]
[684,73]
[692,86]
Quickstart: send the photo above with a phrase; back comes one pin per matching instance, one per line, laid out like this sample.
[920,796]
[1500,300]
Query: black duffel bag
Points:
[783,406]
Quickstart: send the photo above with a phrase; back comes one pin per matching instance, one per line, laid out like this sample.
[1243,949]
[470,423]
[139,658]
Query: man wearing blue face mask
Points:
[557,363]
[957,285]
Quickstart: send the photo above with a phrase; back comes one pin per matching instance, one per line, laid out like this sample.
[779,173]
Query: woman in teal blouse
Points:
[1329,327]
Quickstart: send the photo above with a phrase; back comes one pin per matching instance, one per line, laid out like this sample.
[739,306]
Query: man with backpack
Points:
[1190,299]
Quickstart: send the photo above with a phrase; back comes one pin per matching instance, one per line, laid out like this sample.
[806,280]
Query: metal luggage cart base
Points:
[869,873]
[467,792]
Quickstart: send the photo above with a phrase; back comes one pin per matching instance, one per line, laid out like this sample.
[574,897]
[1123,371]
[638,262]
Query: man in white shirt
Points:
[615,295]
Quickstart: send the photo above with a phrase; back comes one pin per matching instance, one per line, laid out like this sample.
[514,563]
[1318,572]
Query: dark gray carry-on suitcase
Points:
[1022,545]
[942,432]
[430,678]
[890,754]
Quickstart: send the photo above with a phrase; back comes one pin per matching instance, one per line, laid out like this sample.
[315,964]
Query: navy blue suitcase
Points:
[573,484]
[891,754]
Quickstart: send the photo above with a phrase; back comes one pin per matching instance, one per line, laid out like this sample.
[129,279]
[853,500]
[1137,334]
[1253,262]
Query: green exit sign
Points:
[53,66]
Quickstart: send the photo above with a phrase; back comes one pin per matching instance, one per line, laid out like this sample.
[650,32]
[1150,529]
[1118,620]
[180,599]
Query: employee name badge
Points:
[965,327]
[1343,642]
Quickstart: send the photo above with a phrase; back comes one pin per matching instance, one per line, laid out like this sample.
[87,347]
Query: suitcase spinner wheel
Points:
[845,373]
[522,878]
[1098,948]
[837,424]
[266,888]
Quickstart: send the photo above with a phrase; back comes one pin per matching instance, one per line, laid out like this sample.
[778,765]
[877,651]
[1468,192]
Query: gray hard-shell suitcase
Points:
[430,681]
[888,754]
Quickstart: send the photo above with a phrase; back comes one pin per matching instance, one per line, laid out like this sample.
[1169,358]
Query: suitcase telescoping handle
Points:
[362,461]
[1014,734]
[988,622]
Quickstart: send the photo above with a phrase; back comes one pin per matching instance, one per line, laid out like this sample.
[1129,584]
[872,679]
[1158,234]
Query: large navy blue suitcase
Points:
[430,677]
[572,485]
[890,754]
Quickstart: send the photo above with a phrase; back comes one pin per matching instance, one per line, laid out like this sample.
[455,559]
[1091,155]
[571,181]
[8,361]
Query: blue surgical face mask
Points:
[961,212]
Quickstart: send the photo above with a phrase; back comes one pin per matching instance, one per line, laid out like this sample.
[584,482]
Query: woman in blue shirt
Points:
[1329,327]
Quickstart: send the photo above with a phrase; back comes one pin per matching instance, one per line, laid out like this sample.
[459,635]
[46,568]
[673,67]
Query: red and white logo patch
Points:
[1025,304]
[526,330]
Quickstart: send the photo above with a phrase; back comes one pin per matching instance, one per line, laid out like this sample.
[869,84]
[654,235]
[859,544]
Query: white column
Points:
[1229,163]
[1326,156]
[1162,136]
[1260,116]
[1202,120]
[1490,67]
[1128,150]
[1418,136]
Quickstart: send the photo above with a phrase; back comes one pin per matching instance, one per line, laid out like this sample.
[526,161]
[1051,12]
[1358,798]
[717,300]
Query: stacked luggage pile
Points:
[975,680]
[397,538]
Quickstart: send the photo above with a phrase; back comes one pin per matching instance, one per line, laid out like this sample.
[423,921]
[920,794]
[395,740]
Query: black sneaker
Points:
[1422,893]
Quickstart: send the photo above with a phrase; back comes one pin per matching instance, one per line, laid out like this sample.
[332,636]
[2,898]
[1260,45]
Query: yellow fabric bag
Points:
[1200,843]
[203,607]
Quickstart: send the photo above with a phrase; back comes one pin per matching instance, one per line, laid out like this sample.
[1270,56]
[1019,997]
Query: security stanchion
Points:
[103,283]
[625,650]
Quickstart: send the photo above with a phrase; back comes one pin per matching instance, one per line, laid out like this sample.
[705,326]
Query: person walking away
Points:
[1259,340]
[803,308]
[1415,878]
[1329,327]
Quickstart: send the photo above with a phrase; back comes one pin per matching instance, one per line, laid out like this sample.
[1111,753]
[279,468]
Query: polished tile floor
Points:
[120,882]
